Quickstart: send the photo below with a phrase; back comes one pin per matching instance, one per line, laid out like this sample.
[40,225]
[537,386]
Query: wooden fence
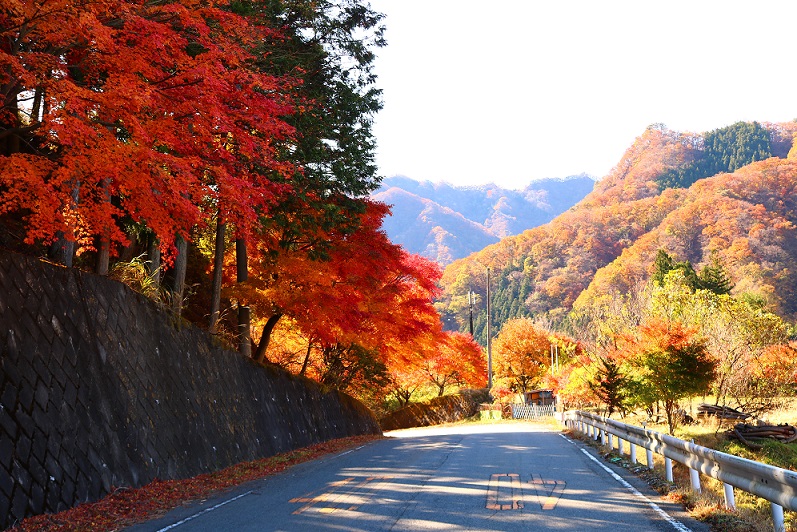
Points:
[532,411]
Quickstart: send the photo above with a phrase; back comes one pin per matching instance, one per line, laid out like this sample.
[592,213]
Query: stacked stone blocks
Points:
[101,389]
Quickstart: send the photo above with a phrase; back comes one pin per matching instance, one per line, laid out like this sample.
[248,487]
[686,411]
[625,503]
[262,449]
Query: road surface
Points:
[496,477]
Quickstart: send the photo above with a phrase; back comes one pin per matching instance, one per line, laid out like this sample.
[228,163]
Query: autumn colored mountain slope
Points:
[608,242]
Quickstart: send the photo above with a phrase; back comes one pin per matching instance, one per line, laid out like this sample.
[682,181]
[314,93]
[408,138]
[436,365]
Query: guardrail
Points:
[777,485]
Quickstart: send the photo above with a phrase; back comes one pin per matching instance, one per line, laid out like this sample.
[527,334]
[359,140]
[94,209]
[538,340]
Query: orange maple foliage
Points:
[353,303]
[119,110]
[521,354]
[459,360]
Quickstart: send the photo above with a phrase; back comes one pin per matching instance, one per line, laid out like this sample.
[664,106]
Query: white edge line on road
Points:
[677,525]
[350,451]
[206,510]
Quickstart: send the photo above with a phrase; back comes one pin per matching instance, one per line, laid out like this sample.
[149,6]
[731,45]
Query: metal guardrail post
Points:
[730,500]
[649,456]
[694,477]
[603,437]
[632,450]
[777,518]
[611,443]
[619,446]
[668,468]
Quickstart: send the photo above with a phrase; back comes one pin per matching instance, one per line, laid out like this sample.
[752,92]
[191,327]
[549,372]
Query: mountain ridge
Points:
[604,247]
[445,222]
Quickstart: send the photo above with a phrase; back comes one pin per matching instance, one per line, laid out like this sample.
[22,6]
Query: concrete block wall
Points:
[100,389]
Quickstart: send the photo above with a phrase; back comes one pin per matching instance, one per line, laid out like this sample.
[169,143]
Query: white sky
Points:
[508,91]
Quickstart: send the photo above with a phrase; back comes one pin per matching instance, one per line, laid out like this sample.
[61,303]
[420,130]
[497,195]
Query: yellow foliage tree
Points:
[521,354]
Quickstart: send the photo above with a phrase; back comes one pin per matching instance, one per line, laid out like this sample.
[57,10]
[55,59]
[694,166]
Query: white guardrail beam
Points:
[777,485]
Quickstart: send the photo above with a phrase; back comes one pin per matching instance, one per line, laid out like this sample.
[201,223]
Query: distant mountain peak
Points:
[445,222]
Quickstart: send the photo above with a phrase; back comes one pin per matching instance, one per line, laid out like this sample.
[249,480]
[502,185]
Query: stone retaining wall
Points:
[446,409]
[100,389]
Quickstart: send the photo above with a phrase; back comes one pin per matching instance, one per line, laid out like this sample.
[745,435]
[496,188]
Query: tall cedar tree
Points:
[610,386]
[329,46]
[712,277]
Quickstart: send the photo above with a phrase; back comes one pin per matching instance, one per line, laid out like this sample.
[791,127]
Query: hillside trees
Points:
[739,222]
[604,245]
[738,337]
[722,150]
[712,277]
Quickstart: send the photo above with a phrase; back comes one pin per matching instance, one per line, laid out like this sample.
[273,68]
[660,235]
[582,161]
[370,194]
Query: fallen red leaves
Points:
[126,506]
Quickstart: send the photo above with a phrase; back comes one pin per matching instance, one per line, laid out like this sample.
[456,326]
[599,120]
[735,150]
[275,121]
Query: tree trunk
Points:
[180,266]
[62,250]
[244,313]
[218,267]
[154,256]
[36,107]
[307,357]
[265,338]
[669,410]
[104,251]
[244,330]
[103,256]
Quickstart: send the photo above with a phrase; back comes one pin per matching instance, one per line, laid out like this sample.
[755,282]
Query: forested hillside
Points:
[606,245]
[444,222]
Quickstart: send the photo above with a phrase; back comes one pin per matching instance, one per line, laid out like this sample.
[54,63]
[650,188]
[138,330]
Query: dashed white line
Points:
[350,451]
[206,510]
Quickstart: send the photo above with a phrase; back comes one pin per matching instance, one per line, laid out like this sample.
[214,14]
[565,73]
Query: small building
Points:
[537,397]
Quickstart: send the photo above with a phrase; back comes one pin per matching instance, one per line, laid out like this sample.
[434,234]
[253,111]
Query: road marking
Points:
[494,492]
[340,497]
[206,510]
[548,491]
[677,525]
[349,451]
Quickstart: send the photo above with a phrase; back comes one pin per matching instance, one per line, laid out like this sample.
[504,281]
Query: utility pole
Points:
[489,346]
[470,307]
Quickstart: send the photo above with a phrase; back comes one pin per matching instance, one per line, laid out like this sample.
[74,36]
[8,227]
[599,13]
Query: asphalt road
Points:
[499,477]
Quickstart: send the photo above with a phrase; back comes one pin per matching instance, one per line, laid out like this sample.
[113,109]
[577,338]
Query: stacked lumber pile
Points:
[744,433]
[720,412]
